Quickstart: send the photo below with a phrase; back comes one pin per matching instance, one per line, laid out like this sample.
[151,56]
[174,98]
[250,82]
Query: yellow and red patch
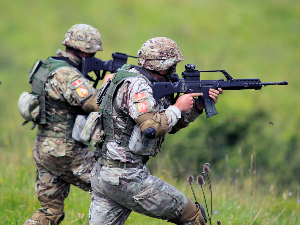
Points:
[77,83]
[82,91]
[142,107]
[139,96]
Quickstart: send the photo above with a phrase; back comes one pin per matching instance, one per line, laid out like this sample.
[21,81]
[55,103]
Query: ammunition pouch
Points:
[107,105]
[88,130]
[28,106]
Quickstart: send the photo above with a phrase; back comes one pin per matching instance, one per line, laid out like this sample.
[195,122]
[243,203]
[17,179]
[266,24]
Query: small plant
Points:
[201,182]
[206,171]
[190,180]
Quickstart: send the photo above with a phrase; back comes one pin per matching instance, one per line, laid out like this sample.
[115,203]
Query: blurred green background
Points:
[249,39]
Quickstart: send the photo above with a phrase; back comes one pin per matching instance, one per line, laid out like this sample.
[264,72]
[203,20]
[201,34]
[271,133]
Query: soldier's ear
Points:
[162,72]
[84,54]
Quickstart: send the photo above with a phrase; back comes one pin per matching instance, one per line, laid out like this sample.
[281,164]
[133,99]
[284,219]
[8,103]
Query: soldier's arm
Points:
[69,85]
[136,96]
[186,118]
[197,109]
[106,78]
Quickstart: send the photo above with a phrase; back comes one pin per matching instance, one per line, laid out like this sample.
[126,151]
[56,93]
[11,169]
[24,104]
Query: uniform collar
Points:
[72,58]
[146,74]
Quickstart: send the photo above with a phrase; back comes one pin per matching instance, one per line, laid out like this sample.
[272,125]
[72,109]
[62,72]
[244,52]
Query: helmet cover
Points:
[84,38]
[159,54]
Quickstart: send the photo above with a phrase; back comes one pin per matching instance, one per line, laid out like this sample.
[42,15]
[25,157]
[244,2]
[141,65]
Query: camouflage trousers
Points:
[60,163]
[118,192]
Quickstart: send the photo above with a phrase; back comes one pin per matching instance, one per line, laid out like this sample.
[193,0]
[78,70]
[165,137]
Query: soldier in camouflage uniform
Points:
[135,126]
[60,160]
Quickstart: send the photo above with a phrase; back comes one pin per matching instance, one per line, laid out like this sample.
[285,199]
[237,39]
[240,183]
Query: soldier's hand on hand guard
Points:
[214,94]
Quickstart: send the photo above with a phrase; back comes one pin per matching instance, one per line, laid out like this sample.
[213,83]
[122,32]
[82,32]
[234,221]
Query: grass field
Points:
[247,38]
[239,201]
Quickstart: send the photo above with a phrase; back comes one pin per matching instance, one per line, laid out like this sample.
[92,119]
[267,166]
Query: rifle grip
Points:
[209,106]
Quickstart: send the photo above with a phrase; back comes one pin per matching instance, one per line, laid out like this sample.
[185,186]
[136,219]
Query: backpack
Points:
[31,106]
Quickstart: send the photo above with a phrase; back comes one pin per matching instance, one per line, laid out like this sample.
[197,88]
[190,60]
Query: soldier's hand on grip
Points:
[185,102]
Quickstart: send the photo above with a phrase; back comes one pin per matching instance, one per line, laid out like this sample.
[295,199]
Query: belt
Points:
[44,132]
[117,164]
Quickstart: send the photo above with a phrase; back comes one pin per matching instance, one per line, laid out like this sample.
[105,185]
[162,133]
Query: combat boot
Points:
[51,213]
[192,214]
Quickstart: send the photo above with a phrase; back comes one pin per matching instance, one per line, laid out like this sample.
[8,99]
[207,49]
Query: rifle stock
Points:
[90,64]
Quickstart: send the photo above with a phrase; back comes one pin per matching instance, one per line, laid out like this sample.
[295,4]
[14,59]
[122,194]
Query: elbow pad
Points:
[156,120]
[90,104]
[178,126]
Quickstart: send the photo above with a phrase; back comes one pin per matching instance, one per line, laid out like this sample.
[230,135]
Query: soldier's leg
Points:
[103,210]
[51,212]
[148,195]
[51,191]
[161,200]
[80,166]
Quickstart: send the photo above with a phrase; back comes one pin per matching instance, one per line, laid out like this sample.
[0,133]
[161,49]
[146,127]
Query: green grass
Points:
[250,39]
[242,200]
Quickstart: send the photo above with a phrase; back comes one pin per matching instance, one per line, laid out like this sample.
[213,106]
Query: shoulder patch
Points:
[139,96]
[77,83]
[143,107]
[82,91]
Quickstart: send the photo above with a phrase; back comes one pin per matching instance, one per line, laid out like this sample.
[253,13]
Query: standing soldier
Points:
[135,125]
[62,93]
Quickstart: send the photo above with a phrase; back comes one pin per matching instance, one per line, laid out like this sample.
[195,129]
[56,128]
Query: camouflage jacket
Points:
[134,98]
[68,85]
[65,84]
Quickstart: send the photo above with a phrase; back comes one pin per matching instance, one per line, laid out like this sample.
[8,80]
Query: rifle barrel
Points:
[275,83]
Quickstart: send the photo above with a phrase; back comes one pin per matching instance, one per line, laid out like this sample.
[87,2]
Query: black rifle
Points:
[93,64]
[191,83]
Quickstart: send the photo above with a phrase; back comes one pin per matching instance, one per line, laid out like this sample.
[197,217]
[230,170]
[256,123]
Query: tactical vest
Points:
[49,107]
[107,104]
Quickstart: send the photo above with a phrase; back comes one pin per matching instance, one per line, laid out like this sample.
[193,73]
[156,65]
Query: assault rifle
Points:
[93,64]
[191,83]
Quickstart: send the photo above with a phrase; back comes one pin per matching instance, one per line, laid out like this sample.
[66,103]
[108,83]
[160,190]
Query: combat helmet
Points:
[84,38]
[159,54]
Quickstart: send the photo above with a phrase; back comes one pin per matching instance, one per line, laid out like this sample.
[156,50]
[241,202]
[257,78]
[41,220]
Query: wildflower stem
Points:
[206,205]
[210,194]
[193,192]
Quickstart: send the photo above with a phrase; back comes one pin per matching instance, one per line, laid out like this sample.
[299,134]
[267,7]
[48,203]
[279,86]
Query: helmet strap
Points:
[72,56]
[167,75]
[77,53]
